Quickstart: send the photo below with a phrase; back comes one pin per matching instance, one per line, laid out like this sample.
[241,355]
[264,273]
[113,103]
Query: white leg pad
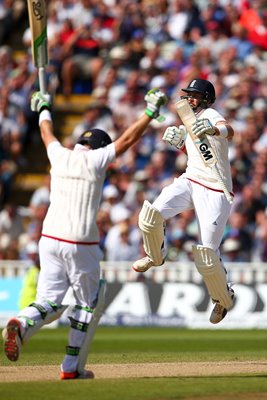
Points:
[151,224]
[97,314]
[210,267]
[34,315]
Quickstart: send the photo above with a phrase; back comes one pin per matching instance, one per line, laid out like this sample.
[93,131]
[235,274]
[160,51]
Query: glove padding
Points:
[155,98]
[175,136]
[40,102]
[203,127]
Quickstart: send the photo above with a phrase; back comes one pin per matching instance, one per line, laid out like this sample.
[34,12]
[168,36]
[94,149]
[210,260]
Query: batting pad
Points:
[151,224]
[33,314]
[209,266]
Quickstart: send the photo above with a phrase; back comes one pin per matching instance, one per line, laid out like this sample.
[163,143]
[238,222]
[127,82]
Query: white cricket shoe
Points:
[12,339]
[144,264]
[219,312]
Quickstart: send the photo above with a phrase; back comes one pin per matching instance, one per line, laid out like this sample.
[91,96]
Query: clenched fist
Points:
[175,136]
[155,98]
[40,102]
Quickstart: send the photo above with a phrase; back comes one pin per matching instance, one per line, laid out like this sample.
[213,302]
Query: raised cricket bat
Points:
[203,145]
[38,26]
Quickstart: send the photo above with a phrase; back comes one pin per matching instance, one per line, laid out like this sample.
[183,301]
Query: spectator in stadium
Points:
[238,228]
[41,195]
[97,114]
[11,221]
[28,291]
[81,59]
[125,243]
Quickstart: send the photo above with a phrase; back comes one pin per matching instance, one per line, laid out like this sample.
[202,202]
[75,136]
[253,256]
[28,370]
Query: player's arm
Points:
[224,129]
[41,103]
[155,98]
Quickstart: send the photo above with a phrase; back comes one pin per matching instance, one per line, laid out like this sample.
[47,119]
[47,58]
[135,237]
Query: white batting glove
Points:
[155,98]
[40,102]
[203,127]
[175,136]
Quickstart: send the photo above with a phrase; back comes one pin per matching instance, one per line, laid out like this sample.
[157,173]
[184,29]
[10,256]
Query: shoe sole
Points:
[76,375]
[86,375]
[68,375]
[146,269]
[12,340]
[138,270]
[224,313]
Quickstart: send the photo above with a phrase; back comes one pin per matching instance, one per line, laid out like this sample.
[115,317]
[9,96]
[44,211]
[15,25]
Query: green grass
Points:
[134,345]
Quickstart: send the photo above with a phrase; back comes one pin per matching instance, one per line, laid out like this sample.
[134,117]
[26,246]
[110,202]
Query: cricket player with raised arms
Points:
[69,247]
[201,187]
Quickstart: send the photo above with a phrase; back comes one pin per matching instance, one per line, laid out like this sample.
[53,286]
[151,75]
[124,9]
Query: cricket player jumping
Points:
[69,247]
[199,189]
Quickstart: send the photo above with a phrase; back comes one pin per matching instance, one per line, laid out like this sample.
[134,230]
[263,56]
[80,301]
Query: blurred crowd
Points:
[116,50]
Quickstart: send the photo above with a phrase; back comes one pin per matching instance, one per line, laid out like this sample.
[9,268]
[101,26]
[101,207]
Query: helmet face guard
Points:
[95,138]
[205,88]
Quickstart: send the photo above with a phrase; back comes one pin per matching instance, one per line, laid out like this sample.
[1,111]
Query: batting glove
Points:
[203,127]
[40,102]
[175,136]
[155,98]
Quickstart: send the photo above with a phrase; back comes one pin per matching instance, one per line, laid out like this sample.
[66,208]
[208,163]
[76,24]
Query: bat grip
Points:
[42,80]
[226,192]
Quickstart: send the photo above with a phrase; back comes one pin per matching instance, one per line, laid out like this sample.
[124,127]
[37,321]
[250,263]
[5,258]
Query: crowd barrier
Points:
[171,295]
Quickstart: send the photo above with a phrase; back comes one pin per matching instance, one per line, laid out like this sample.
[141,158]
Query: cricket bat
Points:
[38,25]
[97,314]
[203,145]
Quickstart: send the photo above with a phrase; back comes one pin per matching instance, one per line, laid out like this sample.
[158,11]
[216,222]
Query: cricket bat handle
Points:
[42,80]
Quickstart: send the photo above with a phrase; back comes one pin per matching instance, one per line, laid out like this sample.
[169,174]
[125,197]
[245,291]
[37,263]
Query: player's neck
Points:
[198,112]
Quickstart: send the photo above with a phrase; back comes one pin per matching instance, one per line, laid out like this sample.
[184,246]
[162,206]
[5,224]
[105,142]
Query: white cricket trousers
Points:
[65,264]
[211,208]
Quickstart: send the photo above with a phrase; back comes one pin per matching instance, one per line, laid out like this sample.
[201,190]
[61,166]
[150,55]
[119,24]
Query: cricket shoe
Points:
[76,375]
[144,264]
[12,339]
[219,312]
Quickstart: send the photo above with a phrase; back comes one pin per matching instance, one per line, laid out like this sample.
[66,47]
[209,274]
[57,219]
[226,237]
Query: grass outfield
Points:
[144,345]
